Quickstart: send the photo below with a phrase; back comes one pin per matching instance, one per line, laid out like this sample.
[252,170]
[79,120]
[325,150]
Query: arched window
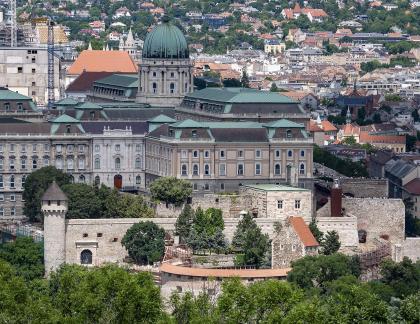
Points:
[138,163]
[207,169]
[172,88]
[34,163]
[97,181]
[138,180]
[289,133]
[195,169]
[184,170]
[70,164]
[82,178]
[97,163]
[59,163]
[12,181]
[154,86]
[277,169]
[117,163]
[289,153]
[302,169]
[86,257]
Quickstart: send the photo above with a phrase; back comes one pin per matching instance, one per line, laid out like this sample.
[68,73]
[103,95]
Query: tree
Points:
[235,83]
[145,242]
[316,271]
[184,223]
[207,230]
[409,309]
[415,115]
[331,243]
[245,79]
[319,236]
[171,190]
[403,277]
[109,294]
[250,240]
[26,256]
[351,140]
[35,185]
[83,201]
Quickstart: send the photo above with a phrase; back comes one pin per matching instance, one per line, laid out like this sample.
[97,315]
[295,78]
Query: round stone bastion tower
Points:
[54,207]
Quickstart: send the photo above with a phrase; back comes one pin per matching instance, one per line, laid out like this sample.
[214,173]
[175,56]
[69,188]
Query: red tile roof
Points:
[103,61]
[303,231]
[328,127]
[223,273]
[365,137]
[85,81]
[413,187]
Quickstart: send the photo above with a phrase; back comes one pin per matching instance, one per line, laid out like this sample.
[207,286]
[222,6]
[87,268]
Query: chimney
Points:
[336,204]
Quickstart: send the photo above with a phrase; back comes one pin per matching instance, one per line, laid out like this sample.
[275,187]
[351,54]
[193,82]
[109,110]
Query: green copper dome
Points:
[165,41]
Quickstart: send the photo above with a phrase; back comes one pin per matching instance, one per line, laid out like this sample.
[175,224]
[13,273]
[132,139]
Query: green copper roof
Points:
[88,105]
[65,119]
[188,123]
[11,95]
[67,102]
[274,187]
[120,80]
[239,95]
[283,123]
[162,119]
[231,124]
[165,41]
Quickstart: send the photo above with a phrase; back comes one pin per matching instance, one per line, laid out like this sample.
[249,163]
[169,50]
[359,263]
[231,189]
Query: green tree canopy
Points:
[184,223]
[249,239]
[330,243]
[145,242]
[26,256]
[35,185]
[316,271]
[171,190]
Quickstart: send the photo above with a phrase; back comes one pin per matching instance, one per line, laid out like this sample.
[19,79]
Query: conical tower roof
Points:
[54,192]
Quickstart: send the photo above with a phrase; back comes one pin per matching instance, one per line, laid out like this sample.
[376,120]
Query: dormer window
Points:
[288,133]
[194,133]
[68,129]
[171,133]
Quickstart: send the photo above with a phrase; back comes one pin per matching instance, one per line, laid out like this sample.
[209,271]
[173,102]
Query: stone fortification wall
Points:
[103,236]
[346,227]
[411,248]
[365,188]
[377,216]
[231,205]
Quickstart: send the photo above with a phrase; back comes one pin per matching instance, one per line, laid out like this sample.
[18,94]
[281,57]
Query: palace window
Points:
[257,154]
[184,170]
[117,163]
[138,180]
[302,169]
[297,204]
[138,163]
[23,163]
[195,154]
[222,154]
[1,181]
[12,181]
[172,88]
[97,163]
[206,169]
[195,169]
[302,153]
[258,168]
[97,181]
[280,204]
[289,153]
[34,163]
[240,169]
[222,169]
[277,169]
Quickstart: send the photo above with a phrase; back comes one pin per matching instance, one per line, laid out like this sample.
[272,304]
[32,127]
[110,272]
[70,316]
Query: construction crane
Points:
[50,49]
[13,24]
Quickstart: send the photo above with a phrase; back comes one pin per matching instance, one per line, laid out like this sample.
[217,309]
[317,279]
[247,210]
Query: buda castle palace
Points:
[217,138]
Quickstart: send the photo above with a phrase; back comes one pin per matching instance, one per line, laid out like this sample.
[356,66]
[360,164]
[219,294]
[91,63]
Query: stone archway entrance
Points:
[118,181]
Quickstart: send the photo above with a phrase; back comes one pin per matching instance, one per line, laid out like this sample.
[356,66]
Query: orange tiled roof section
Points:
[223,273]
[303,231]
[103,61]
[328,126]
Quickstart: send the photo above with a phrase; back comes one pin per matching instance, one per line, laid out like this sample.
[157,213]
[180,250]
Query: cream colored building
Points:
[222,156]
